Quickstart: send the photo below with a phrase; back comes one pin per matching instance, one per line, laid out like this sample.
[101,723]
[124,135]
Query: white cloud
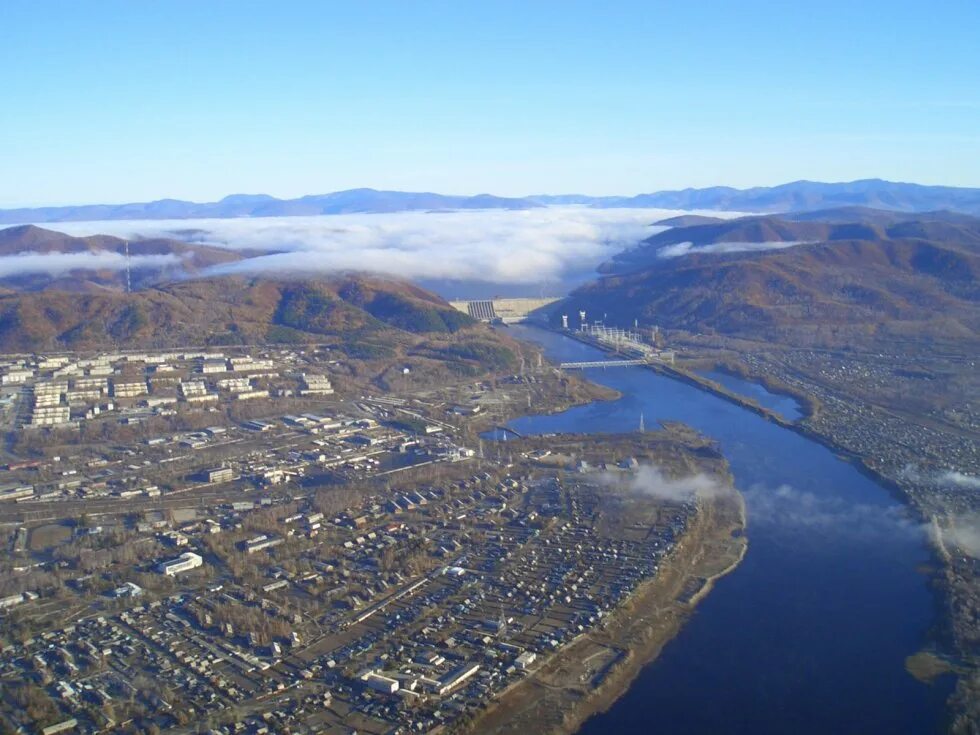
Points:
[941,478]
[792,510]
[960,479]
[688,248]
[59,263]
[963,532]
[521,247]
[651,480]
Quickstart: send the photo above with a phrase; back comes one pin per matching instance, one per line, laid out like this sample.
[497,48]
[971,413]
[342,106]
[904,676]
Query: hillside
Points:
[36,259]
[850,224]
[262,205]
[363,318]
[846,292]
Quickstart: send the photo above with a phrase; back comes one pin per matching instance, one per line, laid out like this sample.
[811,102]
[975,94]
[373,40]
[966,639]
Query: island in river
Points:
[666,467]
[588,675]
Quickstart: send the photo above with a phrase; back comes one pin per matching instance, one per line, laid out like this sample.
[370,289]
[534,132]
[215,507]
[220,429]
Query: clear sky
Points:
[111,101]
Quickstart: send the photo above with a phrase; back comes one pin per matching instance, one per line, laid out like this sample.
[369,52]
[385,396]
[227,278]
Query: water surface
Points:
[810,633]
[785,406]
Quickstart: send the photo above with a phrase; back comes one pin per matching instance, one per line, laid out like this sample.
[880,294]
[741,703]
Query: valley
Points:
[867,319]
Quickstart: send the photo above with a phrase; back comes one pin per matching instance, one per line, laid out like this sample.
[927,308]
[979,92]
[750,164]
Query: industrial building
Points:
[381,683]
[219,474]
[456,677]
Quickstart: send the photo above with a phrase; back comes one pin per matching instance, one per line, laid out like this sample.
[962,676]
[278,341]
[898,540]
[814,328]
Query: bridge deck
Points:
[600,364]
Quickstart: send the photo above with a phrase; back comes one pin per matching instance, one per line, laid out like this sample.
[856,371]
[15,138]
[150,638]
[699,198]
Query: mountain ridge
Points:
[796,196]
[799,195]
[366,316]
[827,294]
[953,230]
[350,201]
[879,279]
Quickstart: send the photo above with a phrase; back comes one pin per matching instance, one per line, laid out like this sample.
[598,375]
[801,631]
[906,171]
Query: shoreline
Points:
[957,659]
[696,381]
[843,453]
[562,693]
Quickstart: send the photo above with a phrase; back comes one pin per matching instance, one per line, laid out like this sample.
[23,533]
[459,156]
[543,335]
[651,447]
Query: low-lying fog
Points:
[465,253]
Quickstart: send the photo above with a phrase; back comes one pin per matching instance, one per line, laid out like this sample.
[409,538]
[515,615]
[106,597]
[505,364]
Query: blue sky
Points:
[131,101]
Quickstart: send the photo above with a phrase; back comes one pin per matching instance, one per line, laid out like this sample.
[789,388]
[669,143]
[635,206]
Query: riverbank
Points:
[587,676]
[952,581]
[830,552]
[953,632]
[952,657]
[857,460]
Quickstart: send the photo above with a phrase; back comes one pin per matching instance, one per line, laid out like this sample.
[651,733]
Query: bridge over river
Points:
[602,364]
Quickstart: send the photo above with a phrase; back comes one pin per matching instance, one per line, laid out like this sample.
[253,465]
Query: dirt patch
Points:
[49,535]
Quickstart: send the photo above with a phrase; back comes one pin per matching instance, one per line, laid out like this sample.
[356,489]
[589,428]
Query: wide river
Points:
[810,633]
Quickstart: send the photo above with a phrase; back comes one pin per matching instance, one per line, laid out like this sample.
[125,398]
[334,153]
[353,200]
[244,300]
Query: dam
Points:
[506,311]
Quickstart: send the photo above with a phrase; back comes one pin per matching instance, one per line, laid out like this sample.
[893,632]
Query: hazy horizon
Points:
[528,195]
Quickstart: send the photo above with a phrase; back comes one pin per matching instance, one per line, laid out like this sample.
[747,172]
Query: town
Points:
[201,541]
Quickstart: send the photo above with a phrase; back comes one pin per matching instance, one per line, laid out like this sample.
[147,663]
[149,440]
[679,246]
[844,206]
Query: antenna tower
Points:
[129,283]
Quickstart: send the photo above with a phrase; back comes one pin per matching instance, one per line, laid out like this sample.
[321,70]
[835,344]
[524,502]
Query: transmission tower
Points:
[129,284]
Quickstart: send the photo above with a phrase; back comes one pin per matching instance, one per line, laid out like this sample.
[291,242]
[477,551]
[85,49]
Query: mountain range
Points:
[796,196]
[878,279]
[262,205]
[842,276]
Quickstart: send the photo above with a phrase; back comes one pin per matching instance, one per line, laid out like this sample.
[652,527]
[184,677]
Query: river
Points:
[785,406]
[810,633]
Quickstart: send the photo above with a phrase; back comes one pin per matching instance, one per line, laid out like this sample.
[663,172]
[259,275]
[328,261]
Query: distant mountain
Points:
[857,223]
[687,220]
[798,196]
[869,215]
[794,197]
[906,281]
[262,205]
[97,263]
